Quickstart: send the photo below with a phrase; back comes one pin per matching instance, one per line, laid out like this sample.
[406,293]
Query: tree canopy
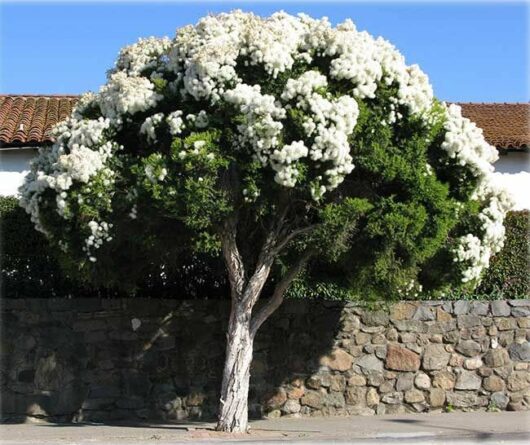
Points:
[286,117]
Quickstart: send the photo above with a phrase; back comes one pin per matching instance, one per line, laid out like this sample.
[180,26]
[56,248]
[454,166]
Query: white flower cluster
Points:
[99,234]
[78,154]
[123,95]
[465,143]
[144,54]
[175,122]
[149,126]
[329,122]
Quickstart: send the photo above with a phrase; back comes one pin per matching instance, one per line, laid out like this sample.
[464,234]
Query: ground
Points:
[494,428]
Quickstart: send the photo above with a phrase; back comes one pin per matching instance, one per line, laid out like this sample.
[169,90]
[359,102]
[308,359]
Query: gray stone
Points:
[521,302]
[356,395]
[422,381]
[520,312]
[370,363]
[480,308]
[468,380]
[291,407]
[414,396]
[335,399]
[468,321]
[375,318]
[409,325]
[500,308]
[500,400]
[393,398]
[462,399]
[461,307]
[435,357]
[405,382]
[313,399]
[469,348]
[424,314]
[495,358]
[520,351]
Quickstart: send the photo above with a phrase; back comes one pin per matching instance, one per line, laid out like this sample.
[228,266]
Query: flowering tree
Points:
[273,142]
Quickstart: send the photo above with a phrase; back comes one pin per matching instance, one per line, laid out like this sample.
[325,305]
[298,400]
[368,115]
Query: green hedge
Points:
[509,274]
[30,270]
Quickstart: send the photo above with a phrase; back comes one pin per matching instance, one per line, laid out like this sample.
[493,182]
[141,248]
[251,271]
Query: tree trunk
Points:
[233,412]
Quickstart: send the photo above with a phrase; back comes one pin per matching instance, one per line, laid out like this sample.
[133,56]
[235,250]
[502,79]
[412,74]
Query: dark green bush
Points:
[29,269]
[509,274]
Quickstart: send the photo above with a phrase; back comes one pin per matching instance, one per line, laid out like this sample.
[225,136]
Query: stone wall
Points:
[88,359]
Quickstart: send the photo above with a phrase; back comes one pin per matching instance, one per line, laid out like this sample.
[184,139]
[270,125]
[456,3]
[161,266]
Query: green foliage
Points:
[30,270]
[509,274]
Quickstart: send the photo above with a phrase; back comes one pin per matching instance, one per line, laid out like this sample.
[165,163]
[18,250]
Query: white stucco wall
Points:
[512,170]
[14,164]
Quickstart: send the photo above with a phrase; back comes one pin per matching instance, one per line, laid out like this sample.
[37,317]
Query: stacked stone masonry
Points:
[100,360]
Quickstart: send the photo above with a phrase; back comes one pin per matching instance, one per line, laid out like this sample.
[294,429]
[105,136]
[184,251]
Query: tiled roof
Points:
[505,125]
[27,119]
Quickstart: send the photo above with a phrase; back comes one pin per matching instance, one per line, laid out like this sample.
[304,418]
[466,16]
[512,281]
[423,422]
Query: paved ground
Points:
[470,428]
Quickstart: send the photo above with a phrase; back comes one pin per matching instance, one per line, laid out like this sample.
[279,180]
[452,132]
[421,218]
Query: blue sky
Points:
[472,51]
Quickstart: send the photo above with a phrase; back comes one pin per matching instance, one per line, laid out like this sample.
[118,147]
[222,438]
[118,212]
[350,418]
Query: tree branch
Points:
[288,238]
[277,297]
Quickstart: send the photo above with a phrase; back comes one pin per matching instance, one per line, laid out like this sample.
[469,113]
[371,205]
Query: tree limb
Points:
[277,297]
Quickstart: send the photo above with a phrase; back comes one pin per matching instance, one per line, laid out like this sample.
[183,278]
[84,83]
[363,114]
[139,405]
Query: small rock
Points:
[357,380]
[518,381]
[372,398]
[313,399]
[338,383]
[274,414]
[469,348]
[499,399]
[473,363]
[393,398]
[461,307]
[493,384]
[370,363]
[356,395]
[422,381]
[401,359]
[414,396]
[468,380]
[423,313]
[441,315]
[436,397]
[505,324]
[500,308]
[405,382]
[362,338]
[402,311]
[291,407]
[338,360]
[495,358]
[520,352]
[435,357]
[375,318]
[275,400]
[444,380]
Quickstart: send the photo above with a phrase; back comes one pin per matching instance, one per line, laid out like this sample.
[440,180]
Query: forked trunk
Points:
[233,411]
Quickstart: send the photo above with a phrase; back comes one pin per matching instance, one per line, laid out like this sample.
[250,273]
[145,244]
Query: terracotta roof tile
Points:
[28,119]
[505,125]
